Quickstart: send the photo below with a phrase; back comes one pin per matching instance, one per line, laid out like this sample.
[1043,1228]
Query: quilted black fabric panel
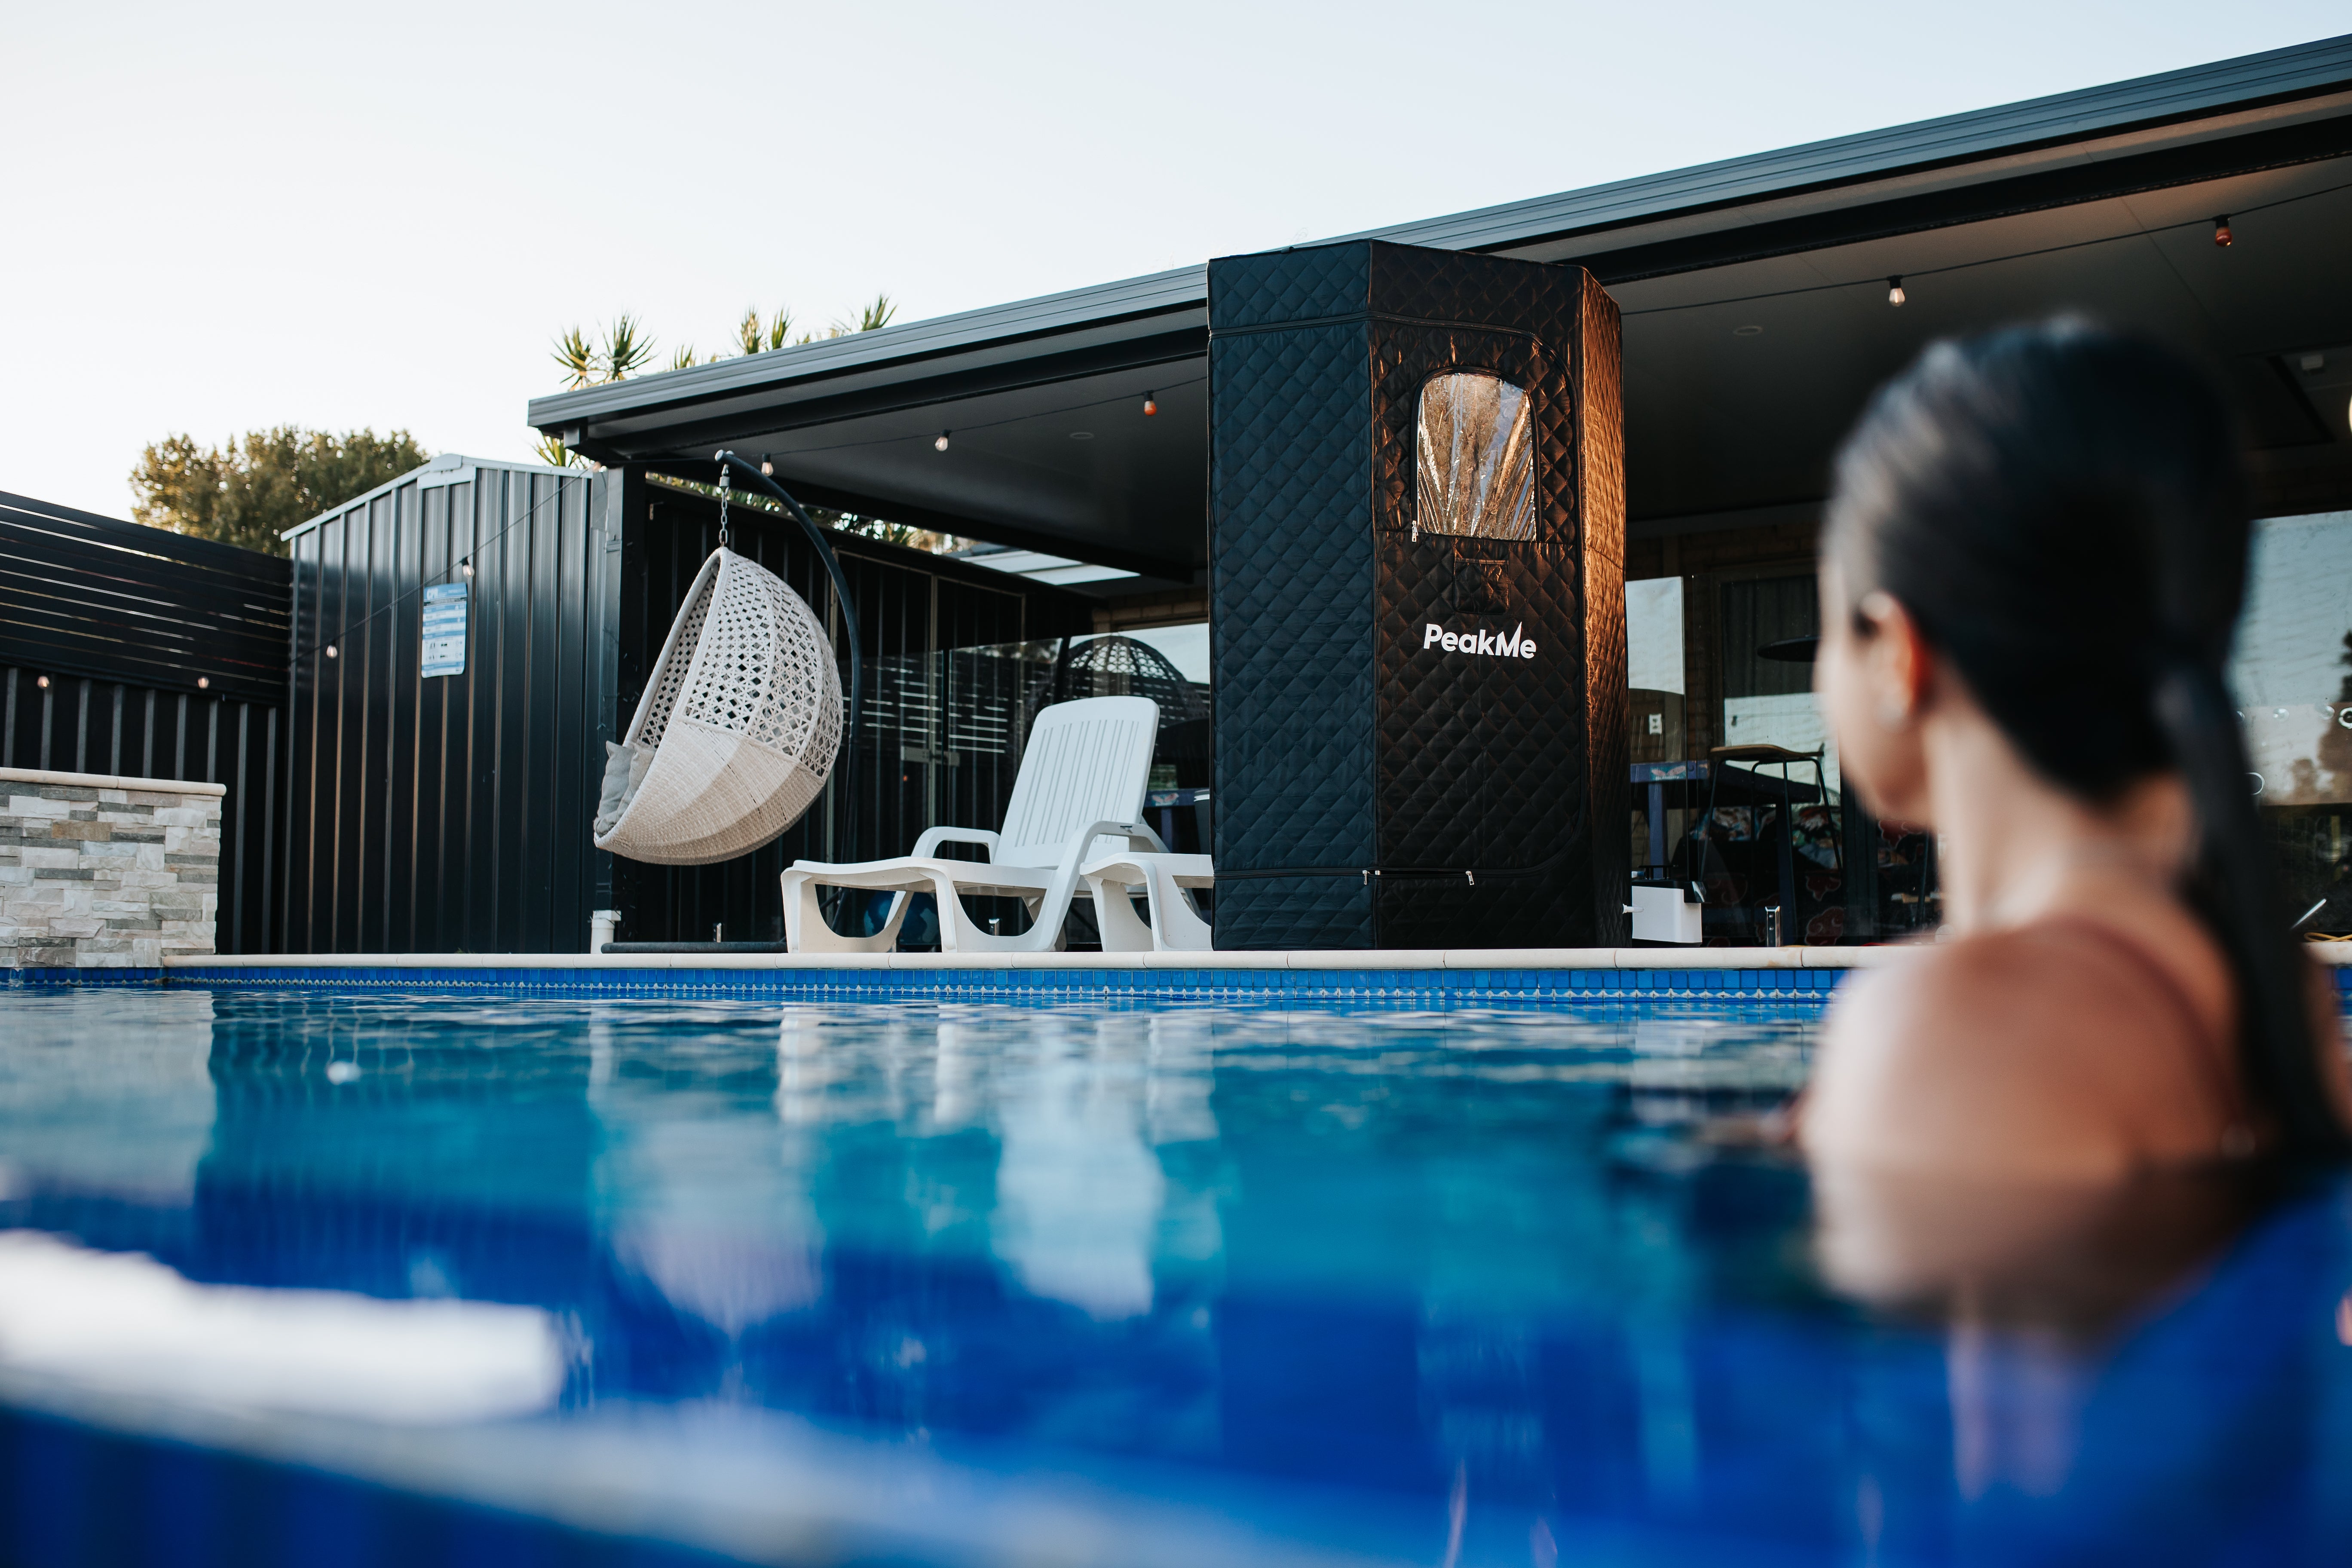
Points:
[1288,286]
[1456,786]
[1481,759]
[1291,615]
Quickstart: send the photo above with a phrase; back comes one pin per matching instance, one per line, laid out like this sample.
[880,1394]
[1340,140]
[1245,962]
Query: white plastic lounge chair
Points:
[738,727]
[1079,798]
[1176,926]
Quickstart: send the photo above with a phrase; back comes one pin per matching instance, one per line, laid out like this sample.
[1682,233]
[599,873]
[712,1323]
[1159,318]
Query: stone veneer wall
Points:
[99,871]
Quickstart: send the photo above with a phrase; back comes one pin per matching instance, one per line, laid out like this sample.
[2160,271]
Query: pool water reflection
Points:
[1451,1287]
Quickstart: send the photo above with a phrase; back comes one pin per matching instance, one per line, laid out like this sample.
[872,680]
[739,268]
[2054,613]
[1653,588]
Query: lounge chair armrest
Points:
[1139,836]
[928,845]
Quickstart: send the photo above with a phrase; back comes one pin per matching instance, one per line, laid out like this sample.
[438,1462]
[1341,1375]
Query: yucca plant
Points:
[758,336]
[578,360]
[627,348]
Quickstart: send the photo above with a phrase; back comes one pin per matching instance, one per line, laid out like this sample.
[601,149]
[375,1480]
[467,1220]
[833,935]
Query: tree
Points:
[253,487]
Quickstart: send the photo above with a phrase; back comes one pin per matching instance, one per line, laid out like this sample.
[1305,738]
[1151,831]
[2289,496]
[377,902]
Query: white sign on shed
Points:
[444,629]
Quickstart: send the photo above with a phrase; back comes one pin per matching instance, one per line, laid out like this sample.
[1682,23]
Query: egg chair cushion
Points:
[741,722]
[624,770]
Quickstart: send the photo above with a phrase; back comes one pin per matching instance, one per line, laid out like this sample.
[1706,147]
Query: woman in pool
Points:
[2030,572]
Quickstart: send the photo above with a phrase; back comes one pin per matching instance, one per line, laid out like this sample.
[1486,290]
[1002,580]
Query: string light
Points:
[467,566]
[2221,231]
[1894,295]
[42,681]
[767,468]
[942,444]
[1150,403]
[204,682]
[332,653]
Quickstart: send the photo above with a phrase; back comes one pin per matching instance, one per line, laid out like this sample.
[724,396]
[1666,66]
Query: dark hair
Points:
[2061,509]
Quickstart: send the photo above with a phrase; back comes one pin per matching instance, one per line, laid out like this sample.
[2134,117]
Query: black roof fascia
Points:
[1133,302]
[1175,300]
[2196,92]
[691,427]
[2065,185]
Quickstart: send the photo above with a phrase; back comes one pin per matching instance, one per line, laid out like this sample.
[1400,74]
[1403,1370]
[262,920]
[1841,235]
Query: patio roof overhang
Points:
[1757,320]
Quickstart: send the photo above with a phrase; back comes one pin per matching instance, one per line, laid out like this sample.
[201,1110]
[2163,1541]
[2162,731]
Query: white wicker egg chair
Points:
[743,716]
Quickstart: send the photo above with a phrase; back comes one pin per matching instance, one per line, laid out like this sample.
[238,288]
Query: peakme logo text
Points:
[1493,645]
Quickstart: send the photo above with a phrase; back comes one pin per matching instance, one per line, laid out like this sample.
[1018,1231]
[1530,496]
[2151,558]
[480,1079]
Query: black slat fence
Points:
[139,652]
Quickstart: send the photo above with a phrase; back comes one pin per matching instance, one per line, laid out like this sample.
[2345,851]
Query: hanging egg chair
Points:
[737,731]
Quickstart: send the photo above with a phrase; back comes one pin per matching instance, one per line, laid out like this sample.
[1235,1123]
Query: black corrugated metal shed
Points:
[448,813]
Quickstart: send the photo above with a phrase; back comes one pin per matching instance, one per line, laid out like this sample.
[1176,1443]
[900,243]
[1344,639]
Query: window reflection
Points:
[2293,675]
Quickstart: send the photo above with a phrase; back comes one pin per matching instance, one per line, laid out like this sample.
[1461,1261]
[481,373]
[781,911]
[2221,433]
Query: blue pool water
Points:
[372,1277]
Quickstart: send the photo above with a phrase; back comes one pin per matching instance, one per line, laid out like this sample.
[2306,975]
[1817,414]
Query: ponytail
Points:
[2277,1053]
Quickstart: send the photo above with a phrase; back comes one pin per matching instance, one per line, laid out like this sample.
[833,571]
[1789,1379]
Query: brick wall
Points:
[99,871]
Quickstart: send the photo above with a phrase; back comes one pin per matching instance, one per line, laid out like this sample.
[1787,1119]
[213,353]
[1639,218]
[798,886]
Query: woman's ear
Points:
[1896,663]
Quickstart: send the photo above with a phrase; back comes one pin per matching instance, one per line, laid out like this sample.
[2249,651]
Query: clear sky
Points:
[226,217]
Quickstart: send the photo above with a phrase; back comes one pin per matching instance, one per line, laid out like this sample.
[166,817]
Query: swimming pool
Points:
[500,1278]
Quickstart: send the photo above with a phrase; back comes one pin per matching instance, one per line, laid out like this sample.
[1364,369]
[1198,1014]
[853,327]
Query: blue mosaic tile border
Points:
[1160,987]
[1419,988]
[45,978]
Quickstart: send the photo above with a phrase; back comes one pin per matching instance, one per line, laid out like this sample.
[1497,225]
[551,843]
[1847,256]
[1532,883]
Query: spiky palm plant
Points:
[628,349]
[758,336]
[552,451]
[578,360]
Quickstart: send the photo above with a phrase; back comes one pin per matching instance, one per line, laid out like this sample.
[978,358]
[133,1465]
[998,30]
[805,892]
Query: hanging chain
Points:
[726,489]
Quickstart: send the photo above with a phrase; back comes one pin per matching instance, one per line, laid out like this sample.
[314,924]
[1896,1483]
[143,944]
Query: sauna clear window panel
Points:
[1474,458]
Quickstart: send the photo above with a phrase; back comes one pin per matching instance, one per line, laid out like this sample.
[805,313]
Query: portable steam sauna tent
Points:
[738,727]
[1417,578]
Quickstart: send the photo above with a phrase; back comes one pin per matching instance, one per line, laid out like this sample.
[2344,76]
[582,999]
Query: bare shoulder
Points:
[2042,1052]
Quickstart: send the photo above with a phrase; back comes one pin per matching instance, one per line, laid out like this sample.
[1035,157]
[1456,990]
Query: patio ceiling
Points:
[1757,320]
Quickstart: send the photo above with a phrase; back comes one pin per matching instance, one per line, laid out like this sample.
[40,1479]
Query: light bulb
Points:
[767,468]
[1150,403]
[204,682]
[2221,231]
[942,444]
[467,566]
[43,682]
[1894,295]
[332,653]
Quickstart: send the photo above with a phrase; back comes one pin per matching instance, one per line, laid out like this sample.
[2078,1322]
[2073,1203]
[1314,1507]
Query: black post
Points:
[1860,831]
